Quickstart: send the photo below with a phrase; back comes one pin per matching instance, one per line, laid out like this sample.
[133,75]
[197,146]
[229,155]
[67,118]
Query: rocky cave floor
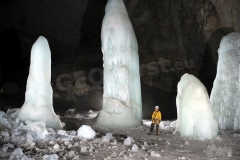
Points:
[20,141]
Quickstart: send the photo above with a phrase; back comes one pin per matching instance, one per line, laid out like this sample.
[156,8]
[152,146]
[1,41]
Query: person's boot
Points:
[151,129]
[157,130]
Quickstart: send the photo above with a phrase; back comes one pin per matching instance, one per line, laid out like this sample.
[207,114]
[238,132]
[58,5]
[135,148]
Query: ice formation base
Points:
[195,116]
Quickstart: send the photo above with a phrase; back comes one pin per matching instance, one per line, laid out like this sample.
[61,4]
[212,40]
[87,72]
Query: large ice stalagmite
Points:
[225,95]
[38,97]
[122,104]
[195,116]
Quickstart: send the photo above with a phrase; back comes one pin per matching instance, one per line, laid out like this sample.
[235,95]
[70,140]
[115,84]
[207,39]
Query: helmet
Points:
[156,107]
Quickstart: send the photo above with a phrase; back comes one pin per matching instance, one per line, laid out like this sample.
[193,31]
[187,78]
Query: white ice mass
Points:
[225,95]
[38,97]
[195,116]
[86,132]
[122,104]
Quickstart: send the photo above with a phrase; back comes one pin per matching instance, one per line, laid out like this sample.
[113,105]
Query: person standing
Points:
[156,119]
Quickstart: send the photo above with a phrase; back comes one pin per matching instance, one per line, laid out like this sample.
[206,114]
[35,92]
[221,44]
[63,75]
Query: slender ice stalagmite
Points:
[38,97]
[122,104]
[195,115]
[225,95]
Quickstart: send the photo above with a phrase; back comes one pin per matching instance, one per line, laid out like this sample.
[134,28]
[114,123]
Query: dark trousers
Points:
[152,126]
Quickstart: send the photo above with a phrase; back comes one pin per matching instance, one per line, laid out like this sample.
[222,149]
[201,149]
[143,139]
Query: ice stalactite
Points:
[195,115]
[122,104]
[38,96]
[225,95]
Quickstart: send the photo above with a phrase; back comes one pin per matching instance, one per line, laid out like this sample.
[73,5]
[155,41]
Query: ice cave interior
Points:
[81,79]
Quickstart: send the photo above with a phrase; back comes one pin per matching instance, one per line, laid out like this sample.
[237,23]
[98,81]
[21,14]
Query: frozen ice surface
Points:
[50,157]
[127,141]
[62,132]
[86,132]
[195,116]
[38,96]
[71,152]
[226,88]
[56,147]
[107,137]
[213,151]
[2,114]
[37,129]
[83,149]
[96,149]
[18,154]
[122,104]
[73,133]
[134,148]
[155,154]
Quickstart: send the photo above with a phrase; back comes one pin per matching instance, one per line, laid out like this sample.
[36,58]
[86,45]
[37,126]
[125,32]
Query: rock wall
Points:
[228,12]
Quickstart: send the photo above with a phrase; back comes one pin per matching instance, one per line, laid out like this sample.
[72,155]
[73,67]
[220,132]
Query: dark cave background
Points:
[169,33]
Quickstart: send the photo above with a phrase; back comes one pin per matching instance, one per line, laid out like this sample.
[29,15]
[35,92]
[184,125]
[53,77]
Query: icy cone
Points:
[122,104]
[38,97]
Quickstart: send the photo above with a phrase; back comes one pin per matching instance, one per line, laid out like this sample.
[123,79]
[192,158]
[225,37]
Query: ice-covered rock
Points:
[62,132]
[226,88]
[4,154]
[155,154]
[72,133]
[56,147]
[2,114]
[107,137]
[122,90]
[128,141]
[71,153]
[50,157]
[86,132]
[83,149]
[18,154]
[37,129]
[38,96]
[213,151]
[134,148]
[195,116]
[173,124]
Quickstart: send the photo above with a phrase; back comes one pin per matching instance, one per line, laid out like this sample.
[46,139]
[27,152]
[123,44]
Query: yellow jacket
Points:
[156,117]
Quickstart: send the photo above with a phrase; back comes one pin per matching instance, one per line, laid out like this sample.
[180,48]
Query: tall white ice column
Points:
[122,104]
[225,95]
[38,97]
[195,116]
